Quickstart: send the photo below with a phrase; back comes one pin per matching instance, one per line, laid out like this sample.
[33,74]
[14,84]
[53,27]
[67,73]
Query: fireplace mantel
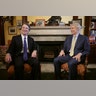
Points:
[50,33]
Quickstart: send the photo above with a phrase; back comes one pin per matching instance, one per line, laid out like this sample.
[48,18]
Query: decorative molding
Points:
[50,33]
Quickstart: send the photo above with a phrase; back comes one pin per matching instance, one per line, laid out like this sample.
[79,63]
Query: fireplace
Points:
[48,50]
[50,40]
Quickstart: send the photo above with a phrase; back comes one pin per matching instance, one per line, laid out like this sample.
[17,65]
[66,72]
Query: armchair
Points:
[81,68]
[27,69]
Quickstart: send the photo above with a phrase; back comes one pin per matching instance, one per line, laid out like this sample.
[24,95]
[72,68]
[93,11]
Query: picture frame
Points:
[93,17]
[40,22]
[77,21]
[19,22]
[12,30]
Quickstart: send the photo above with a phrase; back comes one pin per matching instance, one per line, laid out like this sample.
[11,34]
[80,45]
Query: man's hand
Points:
[78,56]
[8,58]
[61,53]
[34,54]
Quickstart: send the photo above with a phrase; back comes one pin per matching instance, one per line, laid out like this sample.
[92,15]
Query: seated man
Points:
[74,52]
[22,53]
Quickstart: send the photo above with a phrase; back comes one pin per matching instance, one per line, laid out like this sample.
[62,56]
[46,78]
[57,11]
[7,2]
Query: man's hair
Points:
[77,25]
[26,24]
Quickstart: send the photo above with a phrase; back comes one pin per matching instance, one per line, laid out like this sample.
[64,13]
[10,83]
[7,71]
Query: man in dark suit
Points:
[74,51]
[22,52]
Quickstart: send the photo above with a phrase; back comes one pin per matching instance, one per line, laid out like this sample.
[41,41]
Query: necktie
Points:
[72,46]
[25,57]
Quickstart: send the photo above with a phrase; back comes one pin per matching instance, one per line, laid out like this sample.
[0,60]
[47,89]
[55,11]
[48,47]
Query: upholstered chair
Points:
[81,69]
[27,68]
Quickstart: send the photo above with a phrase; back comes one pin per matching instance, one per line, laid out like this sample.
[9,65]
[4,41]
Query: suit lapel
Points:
[28,42]
[78,40]
[70,41]
[20,41]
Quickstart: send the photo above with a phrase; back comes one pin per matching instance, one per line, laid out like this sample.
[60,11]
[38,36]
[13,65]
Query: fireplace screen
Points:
[49,50]
[49,54]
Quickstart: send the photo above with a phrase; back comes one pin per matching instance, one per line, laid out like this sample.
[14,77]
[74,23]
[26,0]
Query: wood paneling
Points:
[24,19]
[92,55]
[2,39]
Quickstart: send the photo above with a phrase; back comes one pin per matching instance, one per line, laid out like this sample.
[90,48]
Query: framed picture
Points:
[19,22]
[92,39]
[93,17]
[12,30]
[77,21]
[40,22]
[93,25]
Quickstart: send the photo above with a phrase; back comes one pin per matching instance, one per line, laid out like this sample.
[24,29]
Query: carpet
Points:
[90,75]
[47,76]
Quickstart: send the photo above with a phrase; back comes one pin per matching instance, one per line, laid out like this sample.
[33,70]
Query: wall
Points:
[82,17]
[65,19]
[6,27]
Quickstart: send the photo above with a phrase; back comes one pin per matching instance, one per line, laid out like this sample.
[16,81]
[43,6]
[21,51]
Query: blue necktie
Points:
[25,57]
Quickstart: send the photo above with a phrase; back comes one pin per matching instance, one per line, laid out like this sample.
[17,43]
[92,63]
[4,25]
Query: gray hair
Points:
[76,25]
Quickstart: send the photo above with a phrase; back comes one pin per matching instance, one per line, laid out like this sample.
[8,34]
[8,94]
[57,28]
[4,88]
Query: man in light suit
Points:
[74,52]
[15,54]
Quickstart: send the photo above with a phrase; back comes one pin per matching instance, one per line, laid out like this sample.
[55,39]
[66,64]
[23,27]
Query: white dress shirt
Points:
[23,42]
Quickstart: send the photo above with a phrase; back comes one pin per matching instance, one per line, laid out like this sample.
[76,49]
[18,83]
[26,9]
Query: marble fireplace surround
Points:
[50,33]
[50,40]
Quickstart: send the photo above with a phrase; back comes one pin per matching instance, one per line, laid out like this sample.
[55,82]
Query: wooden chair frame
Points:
[81,68]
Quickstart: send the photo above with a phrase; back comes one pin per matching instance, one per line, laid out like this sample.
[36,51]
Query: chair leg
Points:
[82,76]
[64,75]
[11,77]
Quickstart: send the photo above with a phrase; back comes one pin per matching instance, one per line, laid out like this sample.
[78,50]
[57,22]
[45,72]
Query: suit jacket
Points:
[16,46]
[82,45]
